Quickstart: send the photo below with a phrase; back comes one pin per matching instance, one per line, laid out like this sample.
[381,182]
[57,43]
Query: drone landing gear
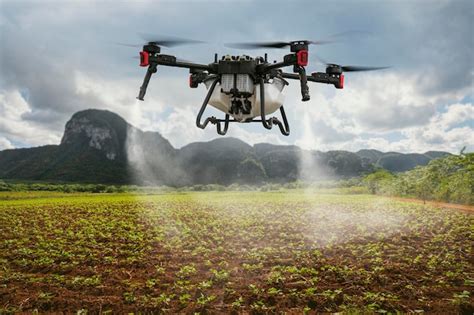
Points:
[213,120]
[284,127]
[267,123]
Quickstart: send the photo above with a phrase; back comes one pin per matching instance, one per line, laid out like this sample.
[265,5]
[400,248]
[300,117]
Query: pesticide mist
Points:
[152,160]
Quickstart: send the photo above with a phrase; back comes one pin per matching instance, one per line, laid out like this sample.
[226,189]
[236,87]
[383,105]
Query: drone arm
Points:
[270,66]
[171,61]
[288,60]
[319,77]
[153,61]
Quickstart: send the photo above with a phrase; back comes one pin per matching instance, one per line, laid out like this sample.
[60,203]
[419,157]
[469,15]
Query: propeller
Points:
[350,68]
[162,40]
[358,68]
[283,44]
[257,45]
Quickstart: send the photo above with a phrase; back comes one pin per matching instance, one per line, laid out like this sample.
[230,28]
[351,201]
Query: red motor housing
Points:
[302,58]
[144,61]
[340,85]
[192,84]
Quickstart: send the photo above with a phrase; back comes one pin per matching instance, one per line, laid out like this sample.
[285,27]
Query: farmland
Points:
[297,251]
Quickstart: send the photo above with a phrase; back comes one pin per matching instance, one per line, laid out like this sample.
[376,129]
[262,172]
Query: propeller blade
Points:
[321,42]
[257,45]
[165,41]
[282,44]
[168,41]
[350,68]
[128,45]
[361,68]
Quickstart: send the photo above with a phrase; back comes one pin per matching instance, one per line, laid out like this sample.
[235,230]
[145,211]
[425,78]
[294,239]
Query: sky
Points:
[60,57]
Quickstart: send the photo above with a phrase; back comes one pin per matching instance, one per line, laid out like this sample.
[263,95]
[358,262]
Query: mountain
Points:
[99,146]
[372,156]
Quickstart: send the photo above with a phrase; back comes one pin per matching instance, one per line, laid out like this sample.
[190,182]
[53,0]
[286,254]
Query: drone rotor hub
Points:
[333,69]
[152,48]
[299,45]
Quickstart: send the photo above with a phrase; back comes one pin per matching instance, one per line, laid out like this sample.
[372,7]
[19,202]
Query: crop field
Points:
[242,252]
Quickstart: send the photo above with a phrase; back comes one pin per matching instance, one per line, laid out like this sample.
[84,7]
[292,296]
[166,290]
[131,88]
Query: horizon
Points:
[228,137]
[424,102]
[235,138]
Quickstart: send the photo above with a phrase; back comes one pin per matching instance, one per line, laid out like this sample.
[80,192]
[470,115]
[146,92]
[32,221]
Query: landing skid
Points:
[267,123]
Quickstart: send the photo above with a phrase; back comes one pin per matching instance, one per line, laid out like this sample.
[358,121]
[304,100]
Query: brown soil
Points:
[238,254]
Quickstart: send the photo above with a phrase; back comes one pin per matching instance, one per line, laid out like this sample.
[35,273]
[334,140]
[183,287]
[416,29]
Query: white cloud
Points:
[13,128]
[443,132]
[373,106]
[5,144]
[75,66]
[456,114]
[350,119]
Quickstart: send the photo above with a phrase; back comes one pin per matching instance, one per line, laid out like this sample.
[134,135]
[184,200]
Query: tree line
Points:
[448,179]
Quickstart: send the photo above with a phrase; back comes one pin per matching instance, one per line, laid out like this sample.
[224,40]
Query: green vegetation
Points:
[221,252]
[449,179]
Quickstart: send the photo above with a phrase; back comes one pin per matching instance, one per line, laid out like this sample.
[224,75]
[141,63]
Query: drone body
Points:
[238,95]
[245,89]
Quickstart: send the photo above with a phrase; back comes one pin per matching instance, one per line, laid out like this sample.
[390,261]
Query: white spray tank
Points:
[274,97]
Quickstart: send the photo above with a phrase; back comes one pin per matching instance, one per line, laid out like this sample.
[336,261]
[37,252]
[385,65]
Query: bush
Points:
[378,181]
[449,179]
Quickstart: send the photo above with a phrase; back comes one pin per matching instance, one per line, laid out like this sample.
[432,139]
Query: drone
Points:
[246,89]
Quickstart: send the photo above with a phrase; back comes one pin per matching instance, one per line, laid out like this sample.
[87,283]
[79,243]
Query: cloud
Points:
[455,114]
[13,107]
[362,116]
[442,132]
[58,58]
[385,102]
[5,144]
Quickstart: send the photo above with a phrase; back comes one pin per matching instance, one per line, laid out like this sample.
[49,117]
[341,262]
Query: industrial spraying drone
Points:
[245,88]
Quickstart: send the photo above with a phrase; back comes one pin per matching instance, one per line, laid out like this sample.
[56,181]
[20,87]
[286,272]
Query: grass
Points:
[232,251]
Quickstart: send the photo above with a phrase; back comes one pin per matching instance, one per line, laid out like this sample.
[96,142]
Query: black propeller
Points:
[334,68]
[257,45]
[358,68]
[282,44]
[162,40]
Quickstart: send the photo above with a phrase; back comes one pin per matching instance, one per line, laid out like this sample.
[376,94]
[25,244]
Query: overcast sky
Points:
[59,57]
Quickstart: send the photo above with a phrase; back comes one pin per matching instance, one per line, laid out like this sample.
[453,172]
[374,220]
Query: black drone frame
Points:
[259,69]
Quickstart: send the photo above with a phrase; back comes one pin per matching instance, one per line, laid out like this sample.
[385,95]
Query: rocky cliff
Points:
[101,147]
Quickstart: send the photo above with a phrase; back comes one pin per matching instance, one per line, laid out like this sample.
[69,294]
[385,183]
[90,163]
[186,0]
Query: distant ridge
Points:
[99,146]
